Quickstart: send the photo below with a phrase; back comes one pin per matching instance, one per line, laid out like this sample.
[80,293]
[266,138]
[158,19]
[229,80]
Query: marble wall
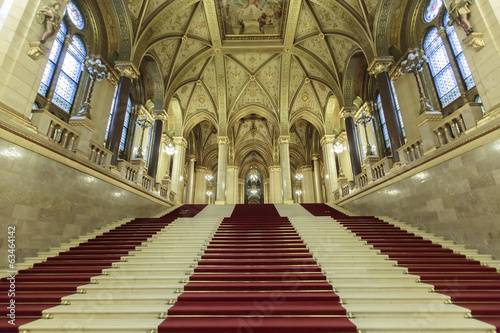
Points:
[458,199]
[49,203]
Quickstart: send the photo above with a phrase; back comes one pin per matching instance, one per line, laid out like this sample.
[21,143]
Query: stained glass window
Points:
[478,99]
[360,142]
[55,53]
[110,115]
[439,63]
[381,116]
[148,144]
[398,109]
[126,126]
[71,69]
[458,53]
[432,10]
[75,15]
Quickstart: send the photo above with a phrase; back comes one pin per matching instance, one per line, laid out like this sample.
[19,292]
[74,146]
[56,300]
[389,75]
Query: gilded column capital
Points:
[202,169]
[315,157]
[305,168]
[191,158]
[233,168]
[347,111]
[180,141]
[128,69]
[380,65]
[159,114]
[327,139]
[223,140]
[274,168]
[284,139]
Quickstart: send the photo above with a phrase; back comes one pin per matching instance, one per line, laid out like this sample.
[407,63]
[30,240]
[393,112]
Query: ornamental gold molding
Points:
[284,139]
[180,141]
[347,111]
[327,139]
[380,65]
[475,41]
[223,140]
[274,168]
[127,69]
[305,168]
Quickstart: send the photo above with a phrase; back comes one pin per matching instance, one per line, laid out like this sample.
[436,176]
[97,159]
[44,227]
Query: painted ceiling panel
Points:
[236,77]
[297,76]
[341,47]
[209,78]
[135,7]
[253,94]
[252,60]
[269,77]
[178,23]
[188,48]
[199,25]
[165,51]
[307,23]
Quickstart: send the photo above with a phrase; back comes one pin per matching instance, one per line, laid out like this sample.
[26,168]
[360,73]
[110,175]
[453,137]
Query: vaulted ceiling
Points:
[258,68]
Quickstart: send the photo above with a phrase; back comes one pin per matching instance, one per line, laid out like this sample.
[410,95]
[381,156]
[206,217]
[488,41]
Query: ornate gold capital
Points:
[180,141]
[305,168]
[284,139]
[274,168]
[128,69]
[347,111]
[222,140]
[380,65]
[327,139]
[475,41]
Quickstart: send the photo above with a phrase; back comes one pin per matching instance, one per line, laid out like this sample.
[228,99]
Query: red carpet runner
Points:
[257,275]
[469,284]
[43,286]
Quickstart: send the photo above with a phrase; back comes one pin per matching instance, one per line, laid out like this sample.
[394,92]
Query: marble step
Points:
[121,297]
[376,299]
[133,288]
[407,310]
[389,324]
[138,310]
[89,325]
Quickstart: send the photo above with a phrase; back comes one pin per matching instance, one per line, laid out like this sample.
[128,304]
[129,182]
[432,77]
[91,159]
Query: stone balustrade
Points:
[127,170]
[55,129]
[411,151]
[346,189]
[147,182]
[99,155]
[362,179]
[457,123]
[381,168]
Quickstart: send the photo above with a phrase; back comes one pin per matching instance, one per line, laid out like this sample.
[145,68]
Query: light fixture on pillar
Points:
[97,71]
[209,193]
[414,63]
[253,192]
[169,149]
[144,123]
[363,118]
[298,192]
[209,177]
[299,176]
[253,174]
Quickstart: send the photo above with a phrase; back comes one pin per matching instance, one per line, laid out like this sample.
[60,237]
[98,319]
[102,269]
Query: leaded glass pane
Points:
[432,10]
[65,89]
[439,63]
[398,109]
[72,67]
[110,114]
[75,15]
[383,122]
[46,78]
[126,125]
[77,47]
[55,51]
[60,102]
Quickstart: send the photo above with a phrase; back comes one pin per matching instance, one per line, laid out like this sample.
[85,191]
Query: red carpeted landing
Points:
[257,276]
[469,284]
[43,286]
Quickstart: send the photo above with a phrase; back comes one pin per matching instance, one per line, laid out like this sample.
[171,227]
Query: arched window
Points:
[432,10]
[383,124]
[126,126]
[458,53]
[441,70]
[110,116]
[71,70]
[70,62]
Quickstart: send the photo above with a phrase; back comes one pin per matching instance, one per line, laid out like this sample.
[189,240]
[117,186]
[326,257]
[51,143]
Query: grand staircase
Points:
[255,268]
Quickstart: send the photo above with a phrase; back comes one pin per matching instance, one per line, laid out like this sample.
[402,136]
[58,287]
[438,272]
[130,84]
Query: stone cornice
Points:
[327,139]
[180,141]
[127,69]
[380,65]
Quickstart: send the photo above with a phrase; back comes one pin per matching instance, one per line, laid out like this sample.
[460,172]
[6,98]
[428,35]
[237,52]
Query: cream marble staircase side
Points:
[54,251]
[135,295]
[377,294]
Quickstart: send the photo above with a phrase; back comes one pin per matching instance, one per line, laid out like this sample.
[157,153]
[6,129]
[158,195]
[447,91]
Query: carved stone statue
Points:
[49,15]
[459,12]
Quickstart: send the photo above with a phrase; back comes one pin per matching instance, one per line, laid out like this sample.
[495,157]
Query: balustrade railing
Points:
[55,129]
[128,171]
[411,151]
[362,179]
[381,168]
[99,155]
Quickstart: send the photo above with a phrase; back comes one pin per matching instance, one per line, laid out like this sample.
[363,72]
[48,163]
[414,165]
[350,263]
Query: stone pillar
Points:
[379,68]
[330,166]
[191,180]
[275,185]
[283,142]
[318,192]
[232,184]
[307,184]
[128,72]
[222,170]
[352,141]
[241,183]
[155,149]
[177,184]
[200,192]
[266,190]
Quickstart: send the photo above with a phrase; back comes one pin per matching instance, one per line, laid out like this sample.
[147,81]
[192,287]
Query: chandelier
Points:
[338,147]
[299,176]
[169,149]
[253,175]
[209,177]
[253,192]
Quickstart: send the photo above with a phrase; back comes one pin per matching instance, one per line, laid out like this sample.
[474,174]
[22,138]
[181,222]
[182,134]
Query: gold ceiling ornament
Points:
[184,38]
[321,36]
[307,80]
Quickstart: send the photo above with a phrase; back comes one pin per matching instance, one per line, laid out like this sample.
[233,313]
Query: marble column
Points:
[275,185]
[191,180]
[318,192]
[352,141]
[155,149]
[232,184]
[128,72]
[223,142]
[330,166]
[283,142]
[177,183]
[241,183]
[201,185]
[266,190]
[379,68]
[307,183]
